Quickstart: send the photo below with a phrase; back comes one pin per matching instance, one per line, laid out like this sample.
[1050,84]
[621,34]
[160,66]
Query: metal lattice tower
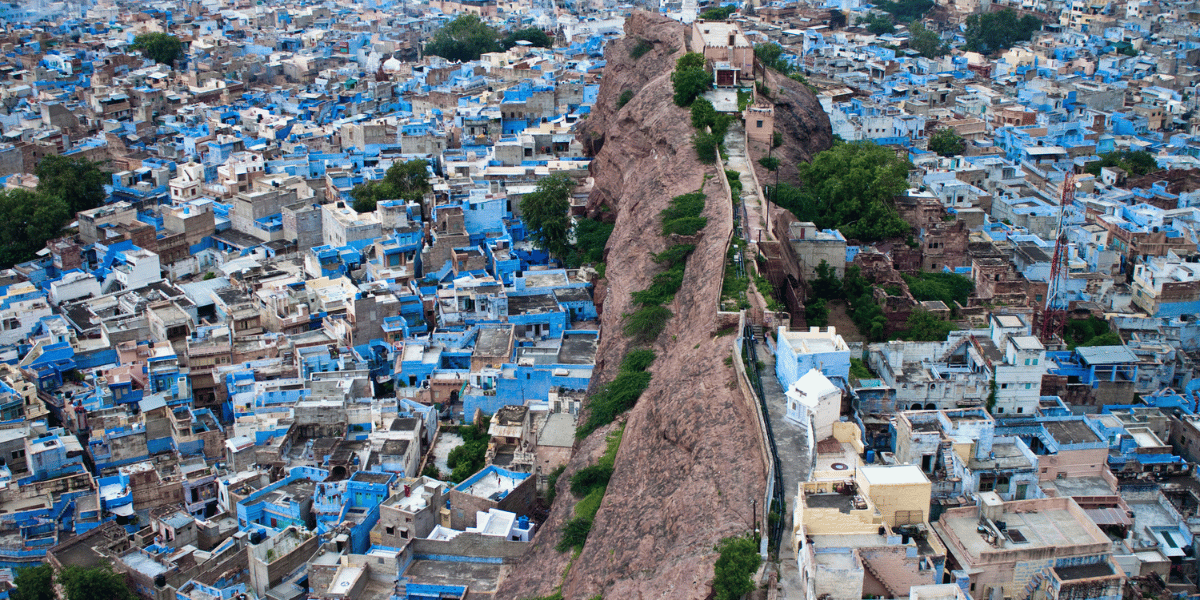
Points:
[1054,314]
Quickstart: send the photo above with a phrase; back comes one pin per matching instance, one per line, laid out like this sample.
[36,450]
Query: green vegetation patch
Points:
[734,571]
[592,483]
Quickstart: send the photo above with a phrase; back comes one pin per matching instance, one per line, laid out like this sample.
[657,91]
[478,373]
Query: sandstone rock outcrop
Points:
[690,466]
[801,121]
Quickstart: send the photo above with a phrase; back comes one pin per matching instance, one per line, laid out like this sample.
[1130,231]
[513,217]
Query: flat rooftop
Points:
[1102,569]
[1071,432]
[1040,523]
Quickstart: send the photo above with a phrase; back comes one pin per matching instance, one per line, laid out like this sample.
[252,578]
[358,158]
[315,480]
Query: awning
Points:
[124,510]
[1108,516]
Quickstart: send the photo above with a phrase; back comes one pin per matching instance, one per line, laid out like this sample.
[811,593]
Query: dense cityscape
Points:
[534,300]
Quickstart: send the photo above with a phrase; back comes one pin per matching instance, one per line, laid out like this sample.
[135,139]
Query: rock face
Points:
[803,123]
[690,467]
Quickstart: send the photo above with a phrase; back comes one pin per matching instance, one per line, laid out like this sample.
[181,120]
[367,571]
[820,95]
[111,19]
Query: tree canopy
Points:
[546,212]
[33,583]
[77,181]
[734,570]
[923,326]
[905,10]
[690,79]
[408,181]
[770,55]
[533,35]
[837,19]
[27,220]
[994,32]
[162,48]
[925,42]
[1134,162]
[946,142]
[718,13]
[850,187]
[464,39]
[96,583]
[946,287]
[878,24]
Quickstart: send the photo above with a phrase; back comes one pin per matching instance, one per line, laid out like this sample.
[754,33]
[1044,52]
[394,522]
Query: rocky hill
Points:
[690,466]
[803,124]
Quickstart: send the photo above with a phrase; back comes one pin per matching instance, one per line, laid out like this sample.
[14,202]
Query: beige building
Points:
[724,46]
[1041,549]
[864,532]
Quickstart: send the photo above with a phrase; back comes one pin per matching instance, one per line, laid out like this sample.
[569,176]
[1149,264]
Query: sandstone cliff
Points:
[690,467]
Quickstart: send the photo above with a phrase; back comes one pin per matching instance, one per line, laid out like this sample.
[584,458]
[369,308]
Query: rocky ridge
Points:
[690,466]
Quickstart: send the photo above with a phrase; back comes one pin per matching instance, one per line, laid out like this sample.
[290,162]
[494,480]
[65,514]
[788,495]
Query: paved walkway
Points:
[735,147]
[792,445]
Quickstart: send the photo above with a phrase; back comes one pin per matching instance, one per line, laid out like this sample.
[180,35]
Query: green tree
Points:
[851,187]
[162,48]
[826,284]
[690,79]
[408,181]
[923,326]
[946,142]
[816,313]
[735,567]
[33,583]
[1134,162]
[770,55]
[464,39]
[905,10]
[995,32]
[533,35]
[719,13]
[837,19]
[96,583]
[878,24]
[926,42]
[27,220]
[546,211]
[77,181]
[1110,338]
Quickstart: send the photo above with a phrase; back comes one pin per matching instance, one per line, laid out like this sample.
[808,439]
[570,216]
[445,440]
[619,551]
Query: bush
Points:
[682,215]
[640,49]
[923,326]
[612,399]
[637,361]
[575,533]
[591,237]
[946,287]
[588,479]
[590,505]
[816,313]
[734,568]
[706,145]
[626,96]
[663,288]
[946,142]
[552,482]
[647,323]
[690,78]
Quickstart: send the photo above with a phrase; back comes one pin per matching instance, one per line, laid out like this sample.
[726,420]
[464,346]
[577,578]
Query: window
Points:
[390,530]
[1020,409]
[1004,386]
[760,124]
[404,534]
[1029,386]
[999,410]
[1027,362]
[1035,361]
